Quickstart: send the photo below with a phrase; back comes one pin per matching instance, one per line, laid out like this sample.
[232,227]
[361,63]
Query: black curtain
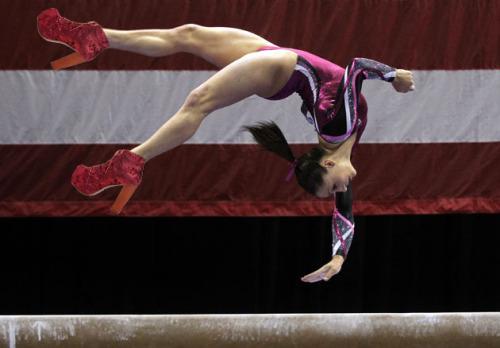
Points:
[417,263]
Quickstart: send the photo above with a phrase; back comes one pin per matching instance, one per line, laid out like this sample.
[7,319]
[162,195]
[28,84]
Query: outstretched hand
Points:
[403,82]
[326,272]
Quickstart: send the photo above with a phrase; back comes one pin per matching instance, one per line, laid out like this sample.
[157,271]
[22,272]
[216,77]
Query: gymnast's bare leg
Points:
[244,73]
[218,45]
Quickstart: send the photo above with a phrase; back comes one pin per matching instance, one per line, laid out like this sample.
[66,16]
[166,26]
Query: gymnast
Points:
[249,65]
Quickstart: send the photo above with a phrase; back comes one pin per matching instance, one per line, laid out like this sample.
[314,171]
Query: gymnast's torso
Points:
[320,85]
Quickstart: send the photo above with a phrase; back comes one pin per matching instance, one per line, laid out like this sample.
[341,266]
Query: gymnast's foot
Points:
[87,39]
[123,169]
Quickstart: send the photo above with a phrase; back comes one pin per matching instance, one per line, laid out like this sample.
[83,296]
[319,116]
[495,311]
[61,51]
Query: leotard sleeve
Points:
[360,69]
[370,69]
[349,90]
[342,223]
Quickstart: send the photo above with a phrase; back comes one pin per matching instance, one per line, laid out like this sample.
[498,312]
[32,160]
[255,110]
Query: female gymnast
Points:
[250,65]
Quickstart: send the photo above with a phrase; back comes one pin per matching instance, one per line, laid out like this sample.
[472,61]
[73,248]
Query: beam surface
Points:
[261,330]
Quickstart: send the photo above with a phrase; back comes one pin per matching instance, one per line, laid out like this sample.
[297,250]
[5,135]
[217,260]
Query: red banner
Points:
[239,179]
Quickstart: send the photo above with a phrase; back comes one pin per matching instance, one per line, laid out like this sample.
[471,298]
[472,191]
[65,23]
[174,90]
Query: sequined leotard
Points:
[331,96]
[333,103]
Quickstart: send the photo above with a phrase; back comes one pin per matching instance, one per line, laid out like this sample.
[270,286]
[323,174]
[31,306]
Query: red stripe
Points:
[241,180]
[425,34]
[196,209]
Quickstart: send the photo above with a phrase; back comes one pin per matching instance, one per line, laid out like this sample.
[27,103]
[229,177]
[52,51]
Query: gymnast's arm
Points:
[342,233]
[364,68]
[342,223]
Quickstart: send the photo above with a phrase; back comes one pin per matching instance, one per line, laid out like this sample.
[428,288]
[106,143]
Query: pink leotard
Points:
[331,95]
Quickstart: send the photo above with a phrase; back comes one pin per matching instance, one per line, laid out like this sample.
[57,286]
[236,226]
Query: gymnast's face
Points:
[337,178]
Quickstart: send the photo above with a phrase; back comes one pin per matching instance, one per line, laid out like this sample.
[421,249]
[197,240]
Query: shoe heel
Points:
[67,61]
[122,199]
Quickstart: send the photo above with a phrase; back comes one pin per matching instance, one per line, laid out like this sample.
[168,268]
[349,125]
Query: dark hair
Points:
[309,172]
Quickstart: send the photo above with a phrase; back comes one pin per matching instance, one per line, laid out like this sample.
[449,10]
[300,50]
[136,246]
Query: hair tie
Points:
[292,165]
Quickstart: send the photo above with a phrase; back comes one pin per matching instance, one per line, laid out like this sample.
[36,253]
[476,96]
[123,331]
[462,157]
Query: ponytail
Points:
[271,138]
[307,167]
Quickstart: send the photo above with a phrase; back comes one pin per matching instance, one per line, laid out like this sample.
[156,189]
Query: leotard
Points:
[333,103]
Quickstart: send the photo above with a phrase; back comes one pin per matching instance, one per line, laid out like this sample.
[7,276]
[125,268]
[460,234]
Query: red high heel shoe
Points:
[123,169]
[87,39]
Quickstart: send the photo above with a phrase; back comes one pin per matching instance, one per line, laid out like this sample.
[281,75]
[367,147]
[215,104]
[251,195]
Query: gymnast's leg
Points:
[218,45]
[257,73]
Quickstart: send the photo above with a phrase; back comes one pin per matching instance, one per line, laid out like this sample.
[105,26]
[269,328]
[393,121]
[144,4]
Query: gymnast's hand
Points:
[403,82]
[326,272]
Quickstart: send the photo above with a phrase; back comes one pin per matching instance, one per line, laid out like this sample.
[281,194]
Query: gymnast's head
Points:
[315,171]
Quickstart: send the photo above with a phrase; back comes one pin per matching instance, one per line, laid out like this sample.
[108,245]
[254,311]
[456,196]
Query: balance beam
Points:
[261,330]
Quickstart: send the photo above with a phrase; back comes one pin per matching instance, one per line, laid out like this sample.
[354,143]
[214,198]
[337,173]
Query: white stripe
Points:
[346,104]
[339,242]
[447,106]
[336,248]
[68,107]
[305,72]
[312,85]
[390,74]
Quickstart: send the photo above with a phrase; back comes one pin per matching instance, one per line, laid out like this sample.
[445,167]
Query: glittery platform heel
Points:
[123,169]
[126,192]
[87,39]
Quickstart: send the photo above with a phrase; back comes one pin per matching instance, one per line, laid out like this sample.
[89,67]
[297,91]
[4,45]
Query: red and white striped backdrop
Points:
[435,150]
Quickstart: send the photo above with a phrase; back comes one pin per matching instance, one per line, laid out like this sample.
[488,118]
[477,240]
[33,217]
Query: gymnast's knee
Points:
[186,35]
[198,103]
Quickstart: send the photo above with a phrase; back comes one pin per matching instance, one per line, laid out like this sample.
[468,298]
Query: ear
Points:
[328,163]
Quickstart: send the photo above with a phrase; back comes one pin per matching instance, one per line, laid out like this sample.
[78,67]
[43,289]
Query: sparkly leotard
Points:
[332,99]
[333,103]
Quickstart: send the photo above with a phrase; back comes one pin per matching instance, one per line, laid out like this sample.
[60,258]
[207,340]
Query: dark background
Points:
[417,263]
